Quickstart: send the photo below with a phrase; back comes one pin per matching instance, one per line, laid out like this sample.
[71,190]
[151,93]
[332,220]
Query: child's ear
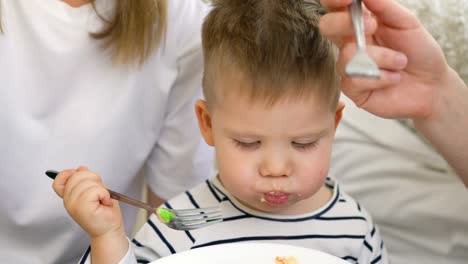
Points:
[204,121]
[339,113]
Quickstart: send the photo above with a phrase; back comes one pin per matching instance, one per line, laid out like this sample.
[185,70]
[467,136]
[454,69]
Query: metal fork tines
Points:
[188,219]
[361,65]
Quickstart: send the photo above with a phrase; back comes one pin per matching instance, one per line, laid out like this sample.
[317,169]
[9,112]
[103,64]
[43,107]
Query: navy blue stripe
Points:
[213,191]
[168,205]
[368,246]
[163,239]
[377,259]
[192,200]
[138,244]
[263,238]
[236,218]
[142,261]
[381,245]
[329,182]
[372,232]
[338,218]
[85,256]
[349,258]
[190,236]
[359,207]
[316,216]
[341,200]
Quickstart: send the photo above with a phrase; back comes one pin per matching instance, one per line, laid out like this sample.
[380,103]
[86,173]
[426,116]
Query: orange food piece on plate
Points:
[285,260]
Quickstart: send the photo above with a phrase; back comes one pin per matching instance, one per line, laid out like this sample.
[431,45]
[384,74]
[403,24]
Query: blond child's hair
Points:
[271,45]
[135,30]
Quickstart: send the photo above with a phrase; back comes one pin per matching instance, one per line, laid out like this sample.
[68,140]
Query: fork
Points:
[179,219]
[361,65]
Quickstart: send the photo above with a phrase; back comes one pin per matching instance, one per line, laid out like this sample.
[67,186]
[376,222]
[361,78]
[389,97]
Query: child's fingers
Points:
[80,177]
[73,198]
[105,198]
[61,180]
[97,194]
[82,168]
[85,199]
[101,194]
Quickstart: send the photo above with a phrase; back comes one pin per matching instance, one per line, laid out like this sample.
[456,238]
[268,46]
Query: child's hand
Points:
[88,202]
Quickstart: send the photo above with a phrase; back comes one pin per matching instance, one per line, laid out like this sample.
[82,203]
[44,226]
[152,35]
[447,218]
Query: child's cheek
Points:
[323,173]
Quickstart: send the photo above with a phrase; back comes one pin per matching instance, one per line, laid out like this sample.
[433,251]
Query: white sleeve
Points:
[373,250]
[129,257]
[180,159]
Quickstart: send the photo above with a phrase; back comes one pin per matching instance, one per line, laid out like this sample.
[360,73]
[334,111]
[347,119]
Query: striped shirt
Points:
[341,228]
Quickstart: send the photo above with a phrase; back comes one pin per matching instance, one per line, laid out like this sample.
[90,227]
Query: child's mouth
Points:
[276,197]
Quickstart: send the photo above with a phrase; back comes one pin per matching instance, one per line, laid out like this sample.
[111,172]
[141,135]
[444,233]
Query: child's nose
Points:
[275,166]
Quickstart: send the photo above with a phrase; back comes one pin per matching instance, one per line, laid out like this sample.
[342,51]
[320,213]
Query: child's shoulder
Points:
[344,207]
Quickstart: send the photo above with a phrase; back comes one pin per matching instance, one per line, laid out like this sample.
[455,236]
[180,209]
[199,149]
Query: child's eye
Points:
[247,145]
[304,146]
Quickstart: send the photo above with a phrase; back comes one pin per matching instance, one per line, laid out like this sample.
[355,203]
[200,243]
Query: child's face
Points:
[276,158]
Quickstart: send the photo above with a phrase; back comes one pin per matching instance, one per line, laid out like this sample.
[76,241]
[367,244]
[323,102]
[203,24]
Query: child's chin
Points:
[266,207]
[273,208]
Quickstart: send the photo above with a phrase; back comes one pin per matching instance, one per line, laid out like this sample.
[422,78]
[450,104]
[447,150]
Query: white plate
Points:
[250,253]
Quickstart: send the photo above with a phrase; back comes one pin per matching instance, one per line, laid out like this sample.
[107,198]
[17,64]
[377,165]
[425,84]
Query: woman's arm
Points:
[178,160]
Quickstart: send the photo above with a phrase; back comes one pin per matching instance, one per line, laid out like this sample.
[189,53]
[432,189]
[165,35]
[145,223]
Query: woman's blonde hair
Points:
[135,30]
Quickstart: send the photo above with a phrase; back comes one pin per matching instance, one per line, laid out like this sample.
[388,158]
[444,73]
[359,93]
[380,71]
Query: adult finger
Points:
[61,180]
[385,58]
[335,4]
[392,14]
[360,89]
[338,25]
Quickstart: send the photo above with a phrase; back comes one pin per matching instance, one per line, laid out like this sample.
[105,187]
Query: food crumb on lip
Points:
[277,193]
